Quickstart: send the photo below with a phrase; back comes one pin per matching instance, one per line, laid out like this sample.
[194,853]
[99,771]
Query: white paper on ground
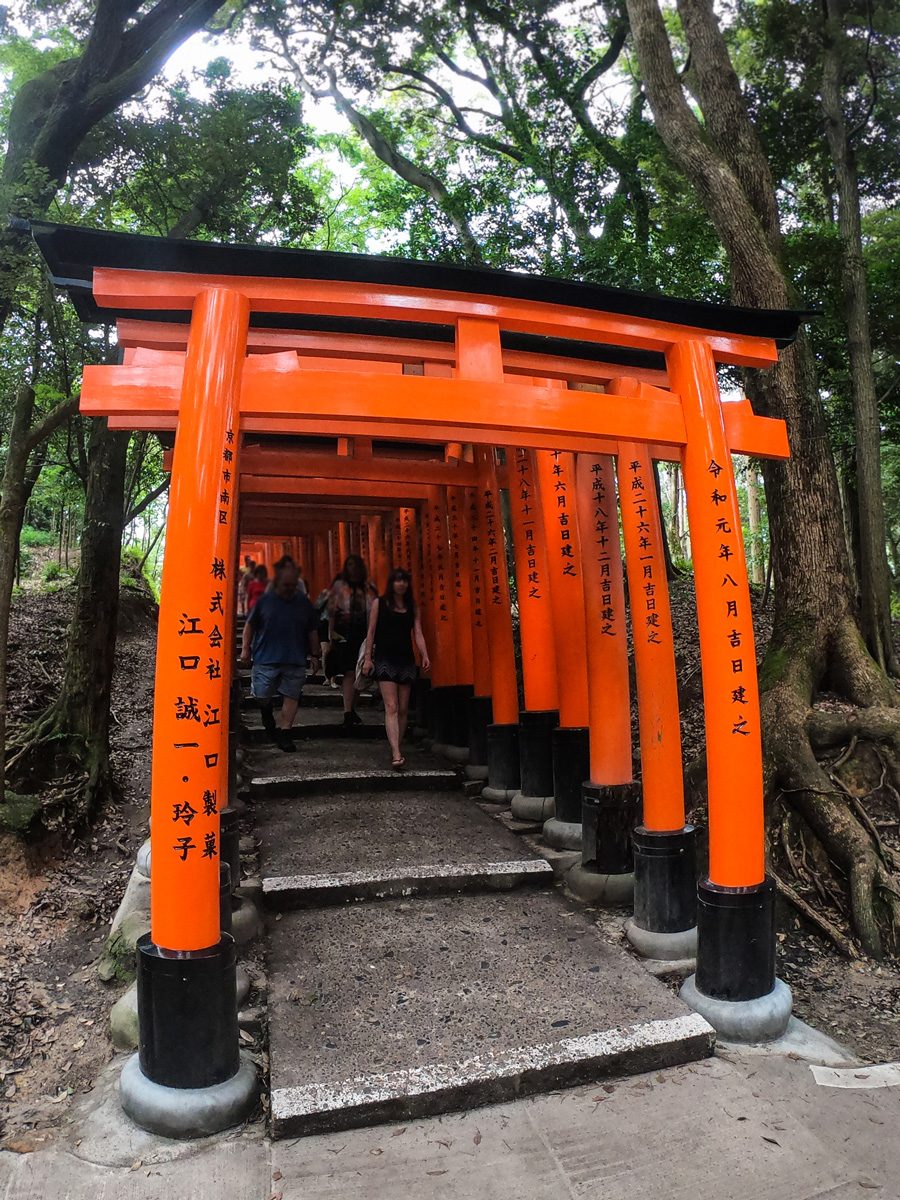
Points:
[879,1076]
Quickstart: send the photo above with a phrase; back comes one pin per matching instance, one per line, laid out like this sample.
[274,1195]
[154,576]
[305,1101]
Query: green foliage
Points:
[37,537]
[52,572]
[134,575]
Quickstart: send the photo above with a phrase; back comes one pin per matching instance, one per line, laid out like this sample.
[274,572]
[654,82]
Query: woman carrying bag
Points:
[393,627]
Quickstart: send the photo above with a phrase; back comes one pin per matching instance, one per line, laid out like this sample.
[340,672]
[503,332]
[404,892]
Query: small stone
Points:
[123,1020]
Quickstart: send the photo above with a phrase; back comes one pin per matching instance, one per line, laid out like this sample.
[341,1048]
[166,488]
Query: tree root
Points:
[60,771]
[830,930]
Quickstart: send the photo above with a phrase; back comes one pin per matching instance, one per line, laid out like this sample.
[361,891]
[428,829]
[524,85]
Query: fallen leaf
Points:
[435,1172]
[477,1138]
[376,1150]
[276,1175]
[772,1140]
[397,1132]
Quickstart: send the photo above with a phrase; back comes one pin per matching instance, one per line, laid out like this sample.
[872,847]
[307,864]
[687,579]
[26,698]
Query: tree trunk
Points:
[64,756]
[757,567]
[875,586]
[671,570]
[12,513]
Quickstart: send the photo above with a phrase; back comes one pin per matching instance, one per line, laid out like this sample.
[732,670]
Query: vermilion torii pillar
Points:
[503,734]
[609,796]
[665,903]
[571,741]
[480,706]
[540,677]
[736,916]
[186,966]
[459,593]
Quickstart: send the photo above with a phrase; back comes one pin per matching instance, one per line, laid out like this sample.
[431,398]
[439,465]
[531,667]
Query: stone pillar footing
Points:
[187,1112]
[472,771]
[762,1019]
[594,886]
[562,835]
[668,946]
[532,808]
[498,795]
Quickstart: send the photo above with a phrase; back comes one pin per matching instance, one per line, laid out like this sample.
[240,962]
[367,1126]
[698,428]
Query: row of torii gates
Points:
[323,404]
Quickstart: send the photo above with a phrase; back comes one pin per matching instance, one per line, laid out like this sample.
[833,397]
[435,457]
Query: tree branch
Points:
[51,422]
[145,502]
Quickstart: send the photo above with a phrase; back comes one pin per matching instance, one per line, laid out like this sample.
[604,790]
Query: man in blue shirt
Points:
[282,636]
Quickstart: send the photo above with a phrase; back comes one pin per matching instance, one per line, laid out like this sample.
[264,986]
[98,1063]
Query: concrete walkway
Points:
[740,1126]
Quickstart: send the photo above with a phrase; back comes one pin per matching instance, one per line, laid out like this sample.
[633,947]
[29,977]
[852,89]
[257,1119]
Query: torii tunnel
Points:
[473,426]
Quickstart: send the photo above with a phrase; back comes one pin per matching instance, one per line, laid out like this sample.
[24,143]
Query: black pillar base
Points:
[225,897]
[536,751]
[187,1010]
[503,758]
[735,941]
[440,717]
[230,843]
[609,813]
[458,723]
[665,879]
[480,716]
[421,702]
[571,766]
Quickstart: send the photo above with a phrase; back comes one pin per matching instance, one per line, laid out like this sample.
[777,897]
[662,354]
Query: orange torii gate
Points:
[226,343]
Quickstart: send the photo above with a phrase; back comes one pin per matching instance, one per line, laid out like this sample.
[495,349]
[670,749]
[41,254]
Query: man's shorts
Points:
[286,679]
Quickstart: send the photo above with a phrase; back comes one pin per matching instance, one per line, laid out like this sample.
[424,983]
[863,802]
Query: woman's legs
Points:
[391,717]
[403,691]
[348,686]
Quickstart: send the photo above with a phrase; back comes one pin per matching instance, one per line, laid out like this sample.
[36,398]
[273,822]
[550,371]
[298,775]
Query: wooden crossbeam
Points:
[492,413]
[160,290]
[285,399]
[161,335]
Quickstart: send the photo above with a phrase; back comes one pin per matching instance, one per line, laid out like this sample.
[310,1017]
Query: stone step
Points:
[394,1010]
[318,723]
[315,696]
[330,849]
[346,764]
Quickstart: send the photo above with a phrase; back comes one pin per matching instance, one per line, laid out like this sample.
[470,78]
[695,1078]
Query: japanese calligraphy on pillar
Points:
[440,551]
[564,516]
[523,492]
[496,549]
[199,701]
[639,495]
[605,530]
[723,502]
[478,614]
[454,516]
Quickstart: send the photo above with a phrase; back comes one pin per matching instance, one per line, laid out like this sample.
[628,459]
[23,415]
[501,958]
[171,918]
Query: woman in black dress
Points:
[393,626]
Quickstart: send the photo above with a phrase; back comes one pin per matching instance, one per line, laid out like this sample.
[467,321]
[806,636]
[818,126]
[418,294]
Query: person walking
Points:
[280,640]
[348,613]
[246,576]
[393,628]
[256,586]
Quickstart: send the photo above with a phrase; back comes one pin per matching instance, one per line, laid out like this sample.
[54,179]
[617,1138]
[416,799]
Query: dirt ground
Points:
[56,903]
